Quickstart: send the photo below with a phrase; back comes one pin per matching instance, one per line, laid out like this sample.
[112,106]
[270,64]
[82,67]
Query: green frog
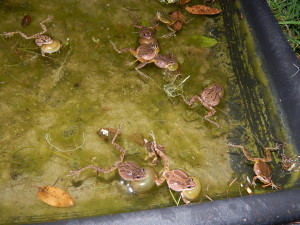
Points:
[47,44]
[209,98]
[260,168]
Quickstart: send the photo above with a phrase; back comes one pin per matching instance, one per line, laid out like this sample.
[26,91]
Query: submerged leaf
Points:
[202,41]
[202,10]
[55,196]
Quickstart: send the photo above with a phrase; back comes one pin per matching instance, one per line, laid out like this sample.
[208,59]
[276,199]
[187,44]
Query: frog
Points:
[167,62]
[146,33]
[209,98]
[127,170]
[176,179]
[260,168]
[46,43]
[173,21]
[145,54]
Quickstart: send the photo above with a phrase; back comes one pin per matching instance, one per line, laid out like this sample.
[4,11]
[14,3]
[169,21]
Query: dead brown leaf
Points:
[182,2]
[202,10]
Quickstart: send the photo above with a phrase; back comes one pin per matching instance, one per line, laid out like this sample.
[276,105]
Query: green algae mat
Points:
[52,107]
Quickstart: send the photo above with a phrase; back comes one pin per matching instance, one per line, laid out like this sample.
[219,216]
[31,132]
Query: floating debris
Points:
[26,21]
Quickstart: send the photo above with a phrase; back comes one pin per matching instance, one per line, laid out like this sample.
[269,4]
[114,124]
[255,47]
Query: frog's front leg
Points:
[184,199]
[253,180]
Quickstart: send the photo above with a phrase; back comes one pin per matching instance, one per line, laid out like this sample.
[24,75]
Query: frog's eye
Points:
[192,179]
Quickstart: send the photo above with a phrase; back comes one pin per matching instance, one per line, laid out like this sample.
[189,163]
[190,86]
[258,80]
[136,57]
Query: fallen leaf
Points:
[55,196]
[182,2]
[202,41]
[202,10]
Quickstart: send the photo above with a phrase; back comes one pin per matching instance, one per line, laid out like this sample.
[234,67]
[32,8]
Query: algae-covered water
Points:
[70,95]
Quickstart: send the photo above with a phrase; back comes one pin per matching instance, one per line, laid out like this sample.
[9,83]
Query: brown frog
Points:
[260,168]
[173,21]
[144,54]
[209,98]
[176,179]
[128,170]
[167,62]
[47,44]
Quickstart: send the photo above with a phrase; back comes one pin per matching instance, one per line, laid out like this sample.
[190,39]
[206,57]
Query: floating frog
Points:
[210,97]
[128,170]
[144,53]
[176,179]
[47,44]
[173,21]
[167,62]
[260,168]
[146,34]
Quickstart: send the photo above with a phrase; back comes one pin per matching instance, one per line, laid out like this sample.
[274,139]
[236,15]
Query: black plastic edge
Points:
[274,208]
[279,60]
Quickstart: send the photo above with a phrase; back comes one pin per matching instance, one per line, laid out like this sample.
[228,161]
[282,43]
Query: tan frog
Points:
[167,62]
[144,53]
[46,43]
[170,21]
[260,168]
[176,179]
[210,97]
[128,170]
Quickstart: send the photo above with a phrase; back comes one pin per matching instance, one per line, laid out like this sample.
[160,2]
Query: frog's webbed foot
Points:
[9,34]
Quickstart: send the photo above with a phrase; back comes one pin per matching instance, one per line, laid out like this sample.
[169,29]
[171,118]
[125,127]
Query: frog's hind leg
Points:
[118,147]
[122,50]
[268,153]
[245,151]
[168,35]
[211,112]
[141,65]
[9,34]
[192,101]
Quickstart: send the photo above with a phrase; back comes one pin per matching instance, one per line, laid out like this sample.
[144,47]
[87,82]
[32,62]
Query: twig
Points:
[231,183]
[297,69]
[208,197]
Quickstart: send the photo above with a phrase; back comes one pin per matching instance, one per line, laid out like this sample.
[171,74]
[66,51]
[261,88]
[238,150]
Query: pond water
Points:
[68,96]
